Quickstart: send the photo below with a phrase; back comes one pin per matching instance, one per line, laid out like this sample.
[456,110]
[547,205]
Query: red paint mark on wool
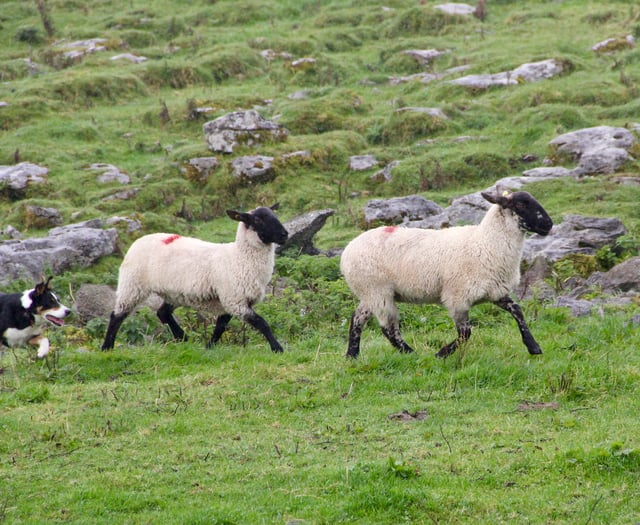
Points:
[389,229]
[170,239]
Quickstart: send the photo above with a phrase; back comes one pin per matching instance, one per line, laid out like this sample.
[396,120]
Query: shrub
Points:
[29,35]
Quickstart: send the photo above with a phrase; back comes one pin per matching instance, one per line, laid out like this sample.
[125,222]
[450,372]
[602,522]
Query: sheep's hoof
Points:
[536,350]
[277,349]
[445,352]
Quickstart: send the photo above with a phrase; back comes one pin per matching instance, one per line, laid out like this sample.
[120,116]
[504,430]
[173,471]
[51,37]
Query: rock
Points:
[554,172]
[11,233]
[246,128]
[132,224]
[269,55]
[40,217]
[425,78]
[384,175]
[19,176]
[130,57]
[611,45]
[110,173]
[302,229]
[66,247]
[303,63]
[253,168]
[432,112]
[623,277]
[399,209]
[425,56]
[199,169]
[531,72]
[536,71]
[456,9]
[576,234]
[78,49]
[578,307]
[362,162]
[123,195]
[601,149]
[94,301]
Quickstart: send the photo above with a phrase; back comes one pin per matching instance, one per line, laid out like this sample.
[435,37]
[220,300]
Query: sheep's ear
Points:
[497,198]
[275,206]
[239,216]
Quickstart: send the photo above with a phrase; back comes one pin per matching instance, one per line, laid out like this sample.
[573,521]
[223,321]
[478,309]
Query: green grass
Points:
[160,432]
[175,433]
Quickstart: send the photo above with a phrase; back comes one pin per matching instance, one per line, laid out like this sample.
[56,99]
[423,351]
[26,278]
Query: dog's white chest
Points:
[15,337]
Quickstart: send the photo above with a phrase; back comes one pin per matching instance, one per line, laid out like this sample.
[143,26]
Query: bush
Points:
[29,35]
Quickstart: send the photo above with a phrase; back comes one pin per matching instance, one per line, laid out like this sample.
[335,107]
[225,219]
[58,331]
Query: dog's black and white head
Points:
[24,315]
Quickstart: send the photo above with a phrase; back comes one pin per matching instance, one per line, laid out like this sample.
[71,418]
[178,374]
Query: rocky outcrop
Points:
[302,229]
[246,128]
[253,168]
[530,72]
[399,210]
[602,149]
[19,177]
[66,247]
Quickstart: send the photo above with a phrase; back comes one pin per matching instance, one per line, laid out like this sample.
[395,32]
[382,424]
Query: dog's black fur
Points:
[23,316]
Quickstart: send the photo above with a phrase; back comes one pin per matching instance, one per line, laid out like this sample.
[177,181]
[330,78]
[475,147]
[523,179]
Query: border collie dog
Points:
[23,316]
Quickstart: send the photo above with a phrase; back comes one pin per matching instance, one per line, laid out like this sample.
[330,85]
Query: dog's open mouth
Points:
[54,320]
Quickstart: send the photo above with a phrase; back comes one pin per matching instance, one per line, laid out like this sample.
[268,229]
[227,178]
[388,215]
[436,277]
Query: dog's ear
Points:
[47,283]
[41,288]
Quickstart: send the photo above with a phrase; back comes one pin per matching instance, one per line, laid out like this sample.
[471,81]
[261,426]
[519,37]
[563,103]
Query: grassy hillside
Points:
[161,432]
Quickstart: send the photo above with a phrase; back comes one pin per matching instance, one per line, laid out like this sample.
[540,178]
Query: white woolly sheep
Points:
[225,279]
[456,267]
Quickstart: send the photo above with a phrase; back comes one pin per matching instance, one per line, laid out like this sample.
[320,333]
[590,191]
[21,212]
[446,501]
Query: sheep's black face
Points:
[532,216]
[269,229]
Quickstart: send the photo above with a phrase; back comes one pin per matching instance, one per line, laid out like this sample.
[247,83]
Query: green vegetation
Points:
[161,432]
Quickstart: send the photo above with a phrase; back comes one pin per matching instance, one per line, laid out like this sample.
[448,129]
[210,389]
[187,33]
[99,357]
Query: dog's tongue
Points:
[55,320]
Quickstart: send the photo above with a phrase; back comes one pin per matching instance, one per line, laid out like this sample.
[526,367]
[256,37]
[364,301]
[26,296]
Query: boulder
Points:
[19,176]
[110,173]
[253,168]
[623,277]
[601,149]
[302,229]
[425,56]
[452,8]
[362,162]
[613,44]
[530,72]
[66,247]
[97,301]
[199,169]
[576,234]
[399,209]
[41,217]
[246,128]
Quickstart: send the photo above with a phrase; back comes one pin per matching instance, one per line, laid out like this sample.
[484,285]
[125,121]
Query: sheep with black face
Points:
[226,279]
[456,267]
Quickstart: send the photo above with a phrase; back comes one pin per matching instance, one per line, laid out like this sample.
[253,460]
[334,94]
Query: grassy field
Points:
[161,432]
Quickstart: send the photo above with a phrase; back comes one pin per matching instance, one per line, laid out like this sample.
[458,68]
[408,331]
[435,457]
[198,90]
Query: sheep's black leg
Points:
[508,304]
[359,318]
[221,326]
[165,314]
[463,326]
[114,325]
[262,326]
[392,333]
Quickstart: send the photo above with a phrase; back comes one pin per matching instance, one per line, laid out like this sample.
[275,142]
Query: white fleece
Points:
[456,267]
[217,277]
